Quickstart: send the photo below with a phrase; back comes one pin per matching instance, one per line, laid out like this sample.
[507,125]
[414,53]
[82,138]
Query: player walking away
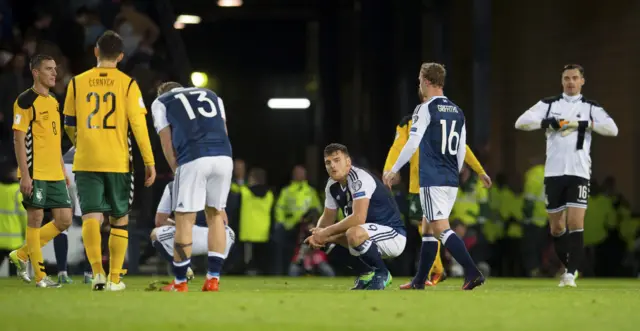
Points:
[372,228]
[568,121]
[191,123]
[439,130]
[431,246]
[38,145]
[162,237]
[101,105]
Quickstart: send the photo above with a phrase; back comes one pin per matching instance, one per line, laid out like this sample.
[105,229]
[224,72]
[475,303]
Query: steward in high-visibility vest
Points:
[256,202]
[13,216]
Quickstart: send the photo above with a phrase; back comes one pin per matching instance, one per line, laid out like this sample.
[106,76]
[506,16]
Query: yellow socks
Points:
[47,232]
[93,244]
[35,252]
[118,241]
[437,268]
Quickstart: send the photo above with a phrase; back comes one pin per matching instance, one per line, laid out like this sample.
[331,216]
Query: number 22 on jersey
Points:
[202,98]
[107,98]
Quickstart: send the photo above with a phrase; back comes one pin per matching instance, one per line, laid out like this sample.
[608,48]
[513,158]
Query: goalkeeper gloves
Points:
[569,126]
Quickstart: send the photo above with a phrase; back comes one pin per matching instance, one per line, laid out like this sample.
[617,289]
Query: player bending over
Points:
[162,237]
[191,123]
[439,130]
[372,228]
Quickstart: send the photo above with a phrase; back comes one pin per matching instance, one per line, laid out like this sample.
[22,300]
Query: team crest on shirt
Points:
[356,186]
[38,194]
[414,118]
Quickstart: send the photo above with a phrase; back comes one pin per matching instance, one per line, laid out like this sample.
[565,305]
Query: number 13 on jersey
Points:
[202,98]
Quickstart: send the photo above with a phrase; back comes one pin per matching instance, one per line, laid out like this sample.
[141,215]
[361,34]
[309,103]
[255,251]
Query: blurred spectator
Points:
[13,217]
[90,21]
[12,82]
[136,29]
[256,204]
[307,260]
[295,201]
[535,218]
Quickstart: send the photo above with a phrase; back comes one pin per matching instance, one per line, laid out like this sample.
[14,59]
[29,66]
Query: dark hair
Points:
[335,147]
[167,86]
[37,59]
[110,45]
[259,175]
[574,66]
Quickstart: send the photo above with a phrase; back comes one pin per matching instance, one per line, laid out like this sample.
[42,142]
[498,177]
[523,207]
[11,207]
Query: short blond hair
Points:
[435,73]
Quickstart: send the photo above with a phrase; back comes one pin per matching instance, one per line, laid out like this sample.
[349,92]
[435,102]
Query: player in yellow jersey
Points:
[102,104]
[38,145]
[415,211]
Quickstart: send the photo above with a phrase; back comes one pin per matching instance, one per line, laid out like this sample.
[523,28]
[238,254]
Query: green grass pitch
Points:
[312,303]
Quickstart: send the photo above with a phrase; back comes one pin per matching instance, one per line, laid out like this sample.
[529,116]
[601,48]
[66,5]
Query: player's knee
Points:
[356,236]
[557,228]
[63,223]
[153,235]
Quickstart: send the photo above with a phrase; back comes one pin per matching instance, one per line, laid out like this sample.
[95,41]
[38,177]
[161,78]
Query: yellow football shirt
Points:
[102,104]
[39,117]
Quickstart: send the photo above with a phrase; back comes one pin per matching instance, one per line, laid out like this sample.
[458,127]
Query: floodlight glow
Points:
[300,103]
[229,3]
[199,79]
[188,19]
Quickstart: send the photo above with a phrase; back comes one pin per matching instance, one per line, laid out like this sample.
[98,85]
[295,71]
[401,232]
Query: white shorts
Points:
[73,191]
[205,181]
[390,243]
[165,235]
[437,201]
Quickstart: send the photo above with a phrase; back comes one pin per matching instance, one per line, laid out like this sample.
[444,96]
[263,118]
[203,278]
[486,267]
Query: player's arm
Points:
[534,119]
[70,111]
[22,117]
[463,142]
[400,140]
[361,198]
[136,112]
[473,162]
[603,123]
[164,208]
[163,128]
[330,213]
[420,122]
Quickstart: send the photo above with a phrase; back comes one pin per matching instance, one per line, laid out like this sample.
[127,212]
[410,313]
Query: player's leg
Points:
[439,201]
[119,195]
[90,187]
[189,196]
[59,201]
[61,250]
[218,184]
[556,196]
[577,197]
[162,240]
[361,245]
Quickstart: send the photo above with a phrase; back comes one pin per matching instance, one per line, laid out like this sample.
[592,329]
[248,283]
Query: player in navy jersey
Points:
[439,130]
[162,237]
[191,123]
[372,228]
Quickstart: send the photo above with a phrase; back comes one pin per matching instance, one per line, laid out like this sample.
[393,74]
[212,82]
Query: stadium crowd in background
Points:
[505,227]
